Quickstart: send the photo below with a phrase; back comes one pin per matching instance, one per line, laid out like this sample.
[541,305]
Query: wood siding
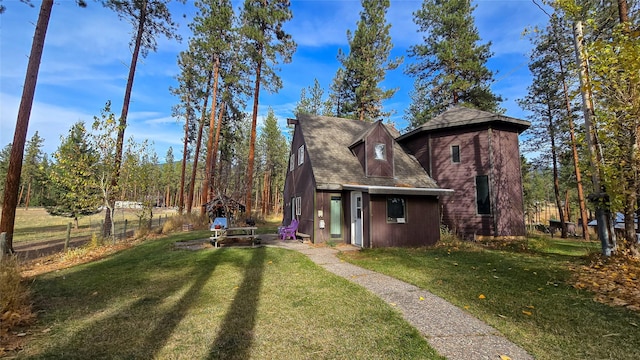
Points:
[375,167]
[300,183]
[422,227]
[418,146]
[459,211]
[483,151]
[507,184]
[323,202]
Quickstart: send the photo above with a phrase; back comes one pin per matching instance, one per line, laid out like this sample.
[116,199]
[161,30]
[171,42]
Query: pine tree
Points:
[367,63]
[314,103]
[266,44]
[150,18]
[274,148]
[31,167]
[74,189]
[450,65]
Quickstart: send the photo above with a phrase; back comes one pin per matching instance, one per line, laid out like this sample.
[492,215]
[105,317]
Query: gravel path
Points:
[453,332]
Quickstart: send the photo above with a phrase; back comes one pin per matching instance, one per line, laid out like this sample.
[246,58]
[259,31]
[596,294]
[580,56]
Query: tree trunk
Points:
[252,140]
[556,181]
[214,156]
[623,11]
[184,162]
[599,195]
[206,183]
[28,198]
[125,111]
[20,195]
[12,181]
[196,155]
[574,148]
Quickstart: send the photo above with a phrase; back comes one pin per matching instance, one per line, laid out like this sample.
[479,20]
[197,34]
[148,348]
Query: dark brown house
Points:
[476,154]
[350,181]
[364,184]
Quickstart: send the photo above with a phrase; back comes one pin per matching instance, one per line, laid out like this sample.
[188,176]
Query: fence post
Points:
[66,241]
[3,245]
[125,229]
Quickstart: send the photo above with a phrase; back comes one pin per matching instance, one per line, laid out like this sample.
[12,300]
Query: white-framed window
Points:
[292,162]
[379,151]
[298,206]
[301,155]
[396,210]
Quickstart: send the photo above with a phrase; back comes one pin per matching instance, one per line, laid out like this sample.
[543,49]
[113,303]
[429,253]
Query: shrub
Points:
[15,307]
[175,223]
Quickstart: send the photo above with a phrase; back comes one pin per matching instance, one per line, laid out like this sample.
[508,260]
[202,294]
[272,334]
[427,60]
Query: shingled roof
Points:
[459,116]
[327,141]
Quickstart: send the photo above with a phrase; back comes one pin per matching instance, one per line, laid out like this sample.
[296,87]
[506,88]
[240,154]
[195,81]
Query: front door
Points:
[356,218]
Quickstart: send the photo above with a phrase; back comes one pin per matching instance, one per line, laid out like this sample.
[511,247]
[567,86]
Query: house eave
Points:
[393,190]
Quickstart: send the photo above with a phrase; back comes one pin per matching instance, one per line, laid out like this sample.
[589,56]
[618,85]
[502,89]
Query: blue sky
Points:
[86,57]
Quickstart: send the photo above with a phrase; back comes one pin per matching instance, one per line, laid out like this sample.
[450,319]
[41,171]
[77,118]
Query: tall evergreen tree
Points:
[450,66]
[274,149]
[73,183]
[267,44]
[313,103]
[337,95]
[5,154]
[214,36]
[31,171]
[150,19]
[12,180]
[367,63]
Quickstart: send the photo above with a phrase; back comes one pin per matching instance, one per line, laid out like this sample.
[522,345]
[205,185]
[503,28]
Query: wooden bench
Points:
[236,234]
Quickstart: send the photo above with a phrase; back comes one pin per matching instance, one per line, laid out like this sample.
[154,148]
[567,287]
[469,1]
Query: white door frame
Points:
[356,218]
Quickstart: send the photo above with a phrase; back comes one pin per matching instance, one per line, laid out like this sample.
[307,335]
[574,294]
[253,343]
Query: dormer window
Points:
[380,152]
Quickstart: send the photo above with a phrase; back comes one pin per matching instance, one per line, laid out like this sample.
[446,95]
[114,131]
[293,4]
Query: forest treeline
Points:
[584,106]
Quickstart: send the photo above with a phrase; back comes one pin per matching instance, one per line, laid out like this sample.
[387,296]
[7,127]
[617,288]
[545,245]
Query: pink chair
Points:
[289,231]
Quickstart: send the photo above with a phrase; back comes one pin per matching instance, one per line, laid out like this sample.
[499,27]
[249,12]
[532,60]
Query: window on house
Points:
[298,206]
[455,153]
[380,152]
[292,162]
[483,200]
[396,210]
[336,217]
[301,155]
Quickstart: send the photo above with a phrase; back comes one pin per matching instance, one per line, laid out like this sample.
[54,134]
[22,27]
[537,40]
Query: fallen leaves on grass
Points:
[481,296]
[614,280]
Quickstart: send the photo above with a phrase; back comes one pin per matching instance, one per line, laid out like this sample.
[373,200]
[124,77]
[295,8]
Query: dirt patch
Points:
[193,245]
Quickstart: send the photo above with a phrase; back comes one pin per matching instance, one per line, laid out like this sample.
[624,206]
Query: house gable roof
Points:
[328,141]
[461,116]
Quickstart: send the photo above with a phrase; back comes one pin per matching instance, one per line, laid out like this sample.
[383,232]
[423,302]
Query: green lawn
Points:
[153,301]
[525,295]
[35,224]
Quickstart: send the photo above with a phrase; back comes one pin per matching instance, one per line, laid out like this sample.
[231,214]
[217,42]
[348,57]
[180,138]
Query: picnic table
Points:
[234,234]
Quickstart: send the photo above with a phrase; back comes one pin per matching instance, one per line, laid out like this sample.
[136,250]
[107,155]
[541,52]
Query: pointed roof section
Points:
[393,133]
[328,141]
[461,116]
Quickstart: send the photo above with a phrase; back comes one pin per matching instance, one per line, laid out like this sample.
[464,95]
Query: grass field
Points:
[525,295]
[154,301]
[36,224]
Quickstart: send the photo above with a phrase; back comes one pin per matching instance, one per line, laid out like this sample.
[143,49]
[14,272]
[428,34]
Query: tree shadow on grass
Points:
[135,316]
[236,335]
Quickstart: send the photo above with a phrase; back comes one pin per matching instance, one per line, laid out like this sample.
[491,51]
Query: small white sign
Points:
[400,220]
